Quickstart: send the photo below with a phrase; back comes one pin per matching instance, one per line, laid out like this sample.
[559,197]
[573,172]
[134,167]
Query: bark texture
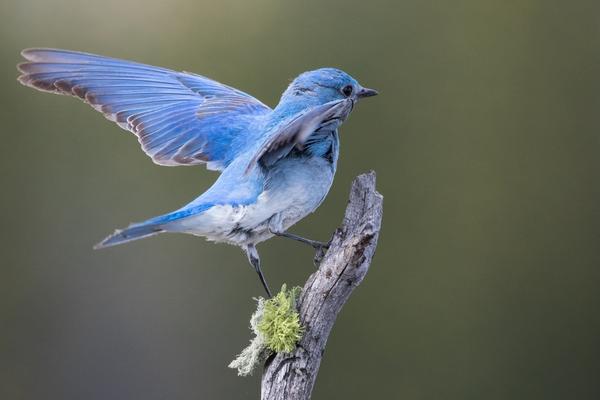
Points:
[291,376]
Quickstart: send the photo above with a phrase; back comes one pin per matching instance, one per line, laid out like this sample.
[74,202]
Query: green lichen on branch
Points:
[280,323]
[276,326]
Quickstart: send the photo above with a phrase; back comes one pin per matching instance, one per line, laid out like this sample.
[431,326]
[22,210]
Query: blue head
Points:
[321,86]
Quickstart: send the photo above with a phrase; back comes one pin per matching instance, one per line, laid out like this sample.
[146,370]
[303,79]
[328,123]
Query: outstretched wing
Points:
[179,118]
[296,131]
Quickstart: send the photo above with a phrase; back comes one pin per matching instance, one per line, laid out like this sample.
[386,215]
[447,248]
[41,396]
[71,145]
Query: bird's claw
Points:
[320,251]
[320,247]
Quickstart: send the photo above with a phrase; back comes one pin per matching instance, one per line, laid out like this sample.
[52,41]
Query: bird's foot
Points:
[320,253]
[320,247]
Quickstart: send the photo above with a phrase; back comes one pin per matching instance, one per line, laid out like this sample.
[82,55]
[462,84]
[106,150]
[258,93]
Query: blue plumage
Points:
[277,164]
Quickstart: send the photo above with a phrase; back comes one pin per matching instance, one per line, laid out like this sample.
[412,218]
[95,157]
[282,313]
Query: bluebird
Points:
[277,165]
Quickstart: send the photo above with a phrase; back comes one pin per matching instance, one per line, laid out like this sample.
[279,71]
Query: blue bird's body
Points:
[277,165]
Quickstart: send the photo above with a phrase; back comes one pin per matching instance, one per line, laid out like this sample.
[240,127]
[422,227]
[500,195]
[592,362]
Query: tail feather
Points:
[151,227]
[133,232]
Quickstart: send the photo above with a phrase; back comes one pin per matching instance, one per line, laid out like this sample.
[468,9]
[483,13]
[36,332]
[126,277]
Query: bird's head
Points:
[323,85]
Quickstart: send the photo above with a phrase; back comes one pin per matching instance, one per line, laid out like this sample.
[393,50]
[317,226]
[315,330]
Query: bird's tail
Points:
[132,232]
[151,227]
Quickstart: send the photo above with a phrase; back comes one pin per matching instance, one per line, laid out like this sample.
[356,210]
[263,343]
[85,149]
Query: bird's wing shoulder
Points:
[295,131]
[179,118]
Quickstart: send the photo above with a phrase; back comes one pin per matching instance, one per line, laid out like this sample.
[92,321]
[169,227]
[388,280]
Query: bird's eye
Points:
[347,90]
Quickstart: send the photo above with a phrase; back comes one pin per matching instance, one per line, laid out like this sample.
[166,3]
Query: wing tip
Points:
[42,86]
[27,70]
[41,54]
[24,67]
[22,79]
[28,53]
[35,54]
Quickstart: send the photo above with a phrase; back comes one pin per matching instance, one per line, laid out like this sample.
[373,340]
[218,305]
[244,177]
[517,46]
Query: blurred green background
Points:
[486,142]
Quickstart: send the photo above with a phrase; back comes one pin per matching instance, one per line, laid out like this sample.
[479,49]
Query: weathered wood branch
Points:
[291,376]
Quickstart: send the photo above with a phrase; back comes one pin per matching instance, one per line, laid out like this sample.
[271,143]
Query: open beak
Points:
[366,92]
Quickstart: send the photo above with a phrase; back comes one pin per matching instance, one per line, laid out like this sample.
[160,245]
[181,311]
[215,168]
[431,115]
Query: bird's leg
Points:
[320,247]
[313,243]
[254,259]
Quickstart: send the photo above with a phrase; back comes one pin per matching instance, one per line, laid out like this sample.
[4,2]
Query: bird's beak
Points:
[366,92]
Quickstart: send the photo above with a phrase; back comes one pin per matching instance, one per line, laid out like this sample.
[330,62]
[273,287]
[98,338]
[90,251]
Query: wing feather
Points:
[179,118]
[297,130]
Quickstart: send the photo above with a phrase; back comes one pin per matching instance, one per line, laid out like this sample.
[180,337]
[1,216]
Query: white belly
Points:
[294,189]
